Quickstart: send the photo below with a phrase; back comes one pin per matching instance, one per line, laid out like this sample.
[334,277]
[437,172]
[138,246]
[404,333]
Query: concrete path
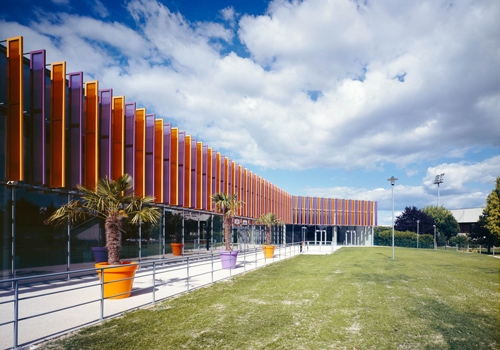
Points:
[170,279]
[320,249]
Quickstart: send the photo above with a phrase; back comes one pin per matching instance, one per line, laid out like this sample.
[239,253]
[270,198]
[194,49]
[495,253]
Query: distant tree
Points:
[480,233]
[269,220]
[407,221]
[492,211]
[446,224]
[462,241]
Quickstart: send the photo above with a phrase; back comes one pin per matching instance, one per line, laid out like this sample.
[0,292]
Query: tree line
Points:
[486,231]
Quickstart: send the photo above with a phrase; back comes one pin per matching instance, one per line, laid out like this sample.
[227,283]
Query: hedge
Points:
[403,239]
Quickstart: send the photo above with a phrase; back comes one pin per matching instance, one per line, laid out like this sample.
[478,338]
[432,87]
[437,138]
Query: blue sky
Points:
[320,97]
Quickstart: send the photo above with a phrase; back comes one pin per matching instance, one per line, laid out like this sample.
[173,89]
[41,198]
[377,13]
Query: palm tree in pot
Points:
[113,201]
[227,205]
[269,220]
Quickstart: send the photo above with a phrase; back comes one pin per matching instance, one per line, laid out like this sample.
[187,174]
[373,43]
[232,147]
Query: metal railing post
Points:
[68,257]
[212,266]
[493,250]
[13,234]
[154,281]
[457,247]
[187,272]
[255,257]
[102,294]
[480,249]
[16,313]
[244,262]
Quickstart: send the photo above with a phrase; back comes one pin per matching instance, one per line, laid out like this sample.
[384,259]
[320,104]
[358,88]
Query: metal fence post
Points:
[493,250]
[480,249]
[154,281]
[467,248]
[212,266]
[68,257]
[16,313]
[457,247]
[187,273]
[102,294]
[255,257]
[244,262]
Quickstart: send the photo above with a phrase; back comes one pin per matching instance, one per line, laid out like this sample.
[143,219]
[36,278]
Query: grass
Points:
[356,298]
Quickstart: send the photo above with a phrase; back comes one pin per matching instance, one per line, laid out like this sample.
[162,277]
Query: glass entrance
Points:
[320,237]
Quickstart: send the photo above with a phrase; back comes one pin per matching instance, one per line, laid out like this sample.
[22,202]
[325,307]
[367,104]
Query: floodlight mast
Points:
[393,181]
[438,180]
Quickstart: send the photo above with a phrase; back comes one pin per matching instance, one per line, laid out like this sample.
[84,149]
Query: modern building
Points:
[59,130]
[466,219]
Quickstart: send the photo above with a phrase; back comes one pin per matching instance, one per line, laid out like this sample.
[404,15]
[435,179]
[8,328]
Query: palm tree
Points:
[111,201]
[227,205]
[269,220]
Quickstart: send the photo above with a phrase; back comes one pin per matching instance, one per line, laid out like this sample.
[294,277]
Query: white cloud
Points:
[99,8]
[459,176]
[457,191]
[229,15]
[397,82]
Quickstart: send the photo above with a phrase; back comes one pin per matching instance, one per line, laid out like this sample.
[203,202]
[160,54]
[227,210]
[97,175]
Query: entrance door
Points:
[321,235]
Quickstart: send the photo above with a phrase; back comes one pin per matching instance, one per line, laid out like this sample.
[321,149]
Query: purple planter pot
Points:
[228,259]
[100,254]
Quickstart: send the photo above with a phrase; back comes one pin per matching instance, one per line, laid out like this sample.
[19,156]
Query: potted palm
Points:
[269,220]
[113,201]
[227,205]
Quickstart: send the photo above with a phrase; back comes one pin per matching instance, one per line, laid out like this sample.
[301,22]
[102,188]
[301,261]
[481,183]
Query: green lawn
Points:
[356,298]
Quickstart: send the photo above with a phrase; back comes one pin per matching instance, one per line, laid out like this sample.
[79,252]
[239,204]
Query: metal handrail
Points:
[158,266]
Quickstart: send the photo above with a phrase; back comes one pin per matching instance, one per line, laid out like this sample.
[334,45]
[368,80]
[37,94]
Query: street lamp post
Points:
[434,236]
[418,224]
[438,180]
[393,181]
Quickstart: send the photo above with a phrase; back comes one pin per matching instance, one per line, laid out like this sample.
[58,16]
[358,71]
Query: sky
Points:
[324,98]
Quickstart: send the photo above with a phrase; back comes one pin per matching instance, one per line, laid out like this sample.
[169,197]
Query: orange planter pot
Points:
[268,251]
[116,274]
[176,248]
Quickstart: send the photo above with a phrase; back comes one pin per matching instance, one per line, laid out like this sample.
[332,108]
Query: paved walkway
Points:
[174,277]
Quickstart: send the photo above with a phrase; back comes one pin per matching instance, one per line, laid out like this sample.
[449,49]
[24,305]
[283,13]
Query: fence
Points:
[31,311]
[476,248]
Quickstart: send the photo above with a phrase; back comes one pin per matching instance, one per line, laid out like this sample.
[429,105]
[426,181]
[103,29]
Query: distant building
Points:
[466,218]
